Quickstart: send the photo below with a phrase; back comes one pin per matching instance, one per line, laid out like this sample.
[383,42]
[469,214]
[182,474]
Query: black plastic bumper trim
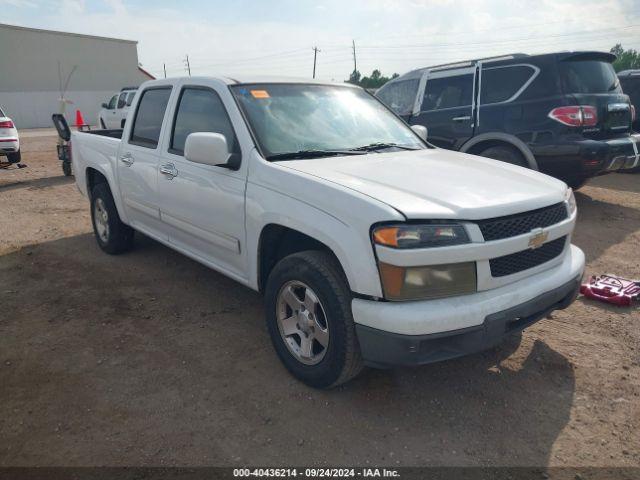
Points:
[385,349]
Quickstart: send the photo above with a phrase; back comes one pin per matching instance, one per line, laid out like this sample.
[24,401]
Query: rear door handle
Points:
[169,169]
[127,159]
[461,119]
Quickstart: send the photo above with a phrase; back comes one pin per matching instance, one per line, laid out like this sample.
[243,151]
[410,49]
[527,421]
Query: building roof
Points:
[57,32]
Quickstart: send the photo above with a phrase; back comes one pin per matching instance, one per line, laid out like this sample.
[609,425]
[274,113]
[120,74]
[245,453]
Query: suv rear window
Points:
[448,92]
[400,96]
[149,115]
[499,84]
[589,76]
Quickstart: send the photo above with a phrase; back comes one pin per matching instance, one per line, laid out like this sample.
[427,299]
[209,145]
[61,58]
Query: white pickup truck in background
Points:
[114,112]
[369,245]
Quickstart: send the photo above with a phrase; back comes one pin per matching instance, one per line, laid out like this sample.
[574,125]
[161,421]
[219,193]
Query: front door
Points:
[447,107]
[138,162]
[203,205]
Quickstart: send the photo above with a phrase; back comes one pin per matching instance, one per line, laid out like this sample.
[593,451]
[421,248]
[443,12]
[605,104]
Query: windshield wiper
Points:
[302,154]
[372,147]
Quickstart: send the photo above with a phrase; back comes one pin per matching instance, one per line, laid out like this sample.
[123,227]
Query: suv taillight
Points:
[575,115]
[6,124]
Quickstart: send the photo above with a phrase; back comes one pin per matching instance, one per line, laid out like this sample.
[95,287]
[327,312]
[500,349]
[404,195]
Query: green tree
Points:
[374,81]
[626,59]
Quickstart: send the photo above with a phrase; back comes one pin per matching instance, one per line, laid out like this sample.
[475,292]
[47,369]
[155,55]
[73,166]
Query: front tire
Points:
[308,312]
[112,235]
[66,168]
[505,154]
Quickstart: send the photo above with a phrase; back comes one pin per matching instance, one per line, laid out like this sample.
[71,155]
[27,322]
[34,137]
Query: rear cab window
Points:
[150,112]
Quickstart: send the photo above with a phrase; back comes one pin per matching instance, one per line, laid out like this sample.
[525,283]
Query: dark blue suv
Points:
[563,114]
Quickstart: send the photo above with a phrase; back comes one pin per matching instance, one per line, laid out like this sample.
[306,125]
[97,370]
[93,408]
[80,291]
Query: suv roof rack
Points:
[469,63]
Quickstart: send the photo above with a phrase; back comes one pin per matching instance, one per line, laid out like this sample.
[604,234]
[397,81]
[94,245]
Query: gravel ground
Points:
[152,359]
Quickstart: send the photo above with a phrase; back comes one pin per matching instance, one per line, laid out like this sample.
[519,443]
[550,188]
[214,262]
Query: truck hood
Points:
[437,183]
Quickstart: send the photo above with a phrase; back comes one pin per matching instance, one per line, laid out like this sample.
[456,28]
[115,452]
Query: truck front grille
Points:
[520,223]
[519,261]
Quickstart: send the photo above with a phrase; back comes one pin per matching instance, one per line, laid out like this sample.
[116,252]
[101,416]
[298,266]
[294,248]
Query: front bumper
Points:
[383,349]
[411,323]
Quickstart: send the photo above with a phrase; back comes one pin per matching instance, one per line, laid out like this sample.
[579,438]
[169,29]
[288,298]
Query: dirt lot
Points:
[152,359]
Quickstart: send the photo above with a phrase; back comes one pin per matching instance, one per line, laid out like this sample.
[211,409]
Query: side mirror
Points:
[207,148]
[105,105]
[421,130]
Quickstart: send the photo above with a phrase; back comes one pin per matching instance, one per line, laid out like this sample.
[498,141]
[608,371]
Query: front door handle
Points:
[461,119]
[169,169]
[127,159]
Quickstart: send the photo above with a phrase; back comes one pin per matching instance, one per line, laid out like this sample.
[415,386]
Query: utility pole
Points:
[164,66]
[355,64]
[315,55]
[187,65]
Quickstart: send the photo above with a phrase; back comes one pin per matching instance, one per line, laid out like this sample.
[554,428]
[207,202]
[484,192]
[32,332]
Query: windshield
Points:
[589,76]
[289,118]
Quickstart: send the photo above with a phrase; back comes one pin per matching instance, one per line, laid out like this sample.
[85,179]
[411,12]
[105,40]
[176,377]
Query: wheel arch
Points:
[277,241]
[492,139]
[93,176]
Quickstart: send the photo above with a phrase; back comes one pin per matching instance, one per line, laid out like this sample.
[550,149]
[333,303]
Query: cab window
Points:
[400,96]
[448,92]
[147,122]
[200,110]
[112,103]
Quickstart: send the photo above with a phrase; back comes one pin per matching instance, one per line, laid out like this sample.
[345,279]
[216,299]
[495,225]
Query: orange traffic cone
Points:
[79,120]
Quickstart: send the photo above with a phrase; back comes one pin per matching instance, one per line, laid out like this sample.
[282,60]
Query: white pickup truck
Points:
[371,247]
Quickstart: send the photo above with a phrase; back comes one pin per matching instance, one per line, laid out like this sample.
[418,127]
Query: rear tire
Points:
[14,157]
[315,278]
[505,154]
[112,235]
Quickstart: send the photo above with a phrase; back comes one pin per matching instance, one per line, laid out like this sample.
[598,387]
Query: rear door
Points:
[447,107]
[202,206]
[589,79]
[137,164]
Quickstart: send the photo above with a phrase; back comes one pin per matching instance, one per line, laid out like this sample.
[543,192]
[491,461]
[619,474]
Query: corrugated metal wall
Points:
[30,80]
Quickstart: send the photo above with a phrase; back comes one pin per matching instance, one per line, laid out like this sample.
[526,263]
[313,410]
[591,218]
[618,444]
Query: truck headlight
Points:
[570,200]
[414,283]
[420,236]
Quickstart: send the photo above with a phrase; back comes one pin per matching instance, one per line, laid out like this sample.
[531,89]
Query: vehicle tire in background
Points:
[112,235]
[577,184]
[66,168]
[308,312]
[14,157]
[506,154]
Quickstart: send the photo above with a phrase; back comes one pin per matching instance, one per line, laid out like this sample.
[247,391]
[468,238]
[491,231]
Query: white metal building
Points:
[36,64]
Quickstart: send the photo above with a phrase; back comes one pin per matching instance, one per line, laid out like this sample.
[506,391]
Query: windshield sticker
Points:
[260,94]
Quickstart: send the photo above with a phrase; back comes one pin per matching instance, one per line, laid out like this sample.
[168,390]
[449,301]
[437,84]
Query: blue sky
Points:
[276,36]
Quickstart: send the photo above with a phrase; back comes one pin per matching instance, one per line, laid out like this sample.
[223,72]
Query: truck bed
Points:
[107,132]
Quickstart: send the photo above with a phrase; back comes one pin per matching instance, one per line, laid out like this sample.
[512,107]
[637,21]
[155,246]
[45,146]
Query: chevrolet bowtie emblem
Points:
[538,238]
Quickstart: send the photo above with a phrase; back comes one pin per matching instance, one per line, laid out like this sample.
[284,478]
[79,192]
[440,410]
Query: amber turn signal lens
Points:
[386,236]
